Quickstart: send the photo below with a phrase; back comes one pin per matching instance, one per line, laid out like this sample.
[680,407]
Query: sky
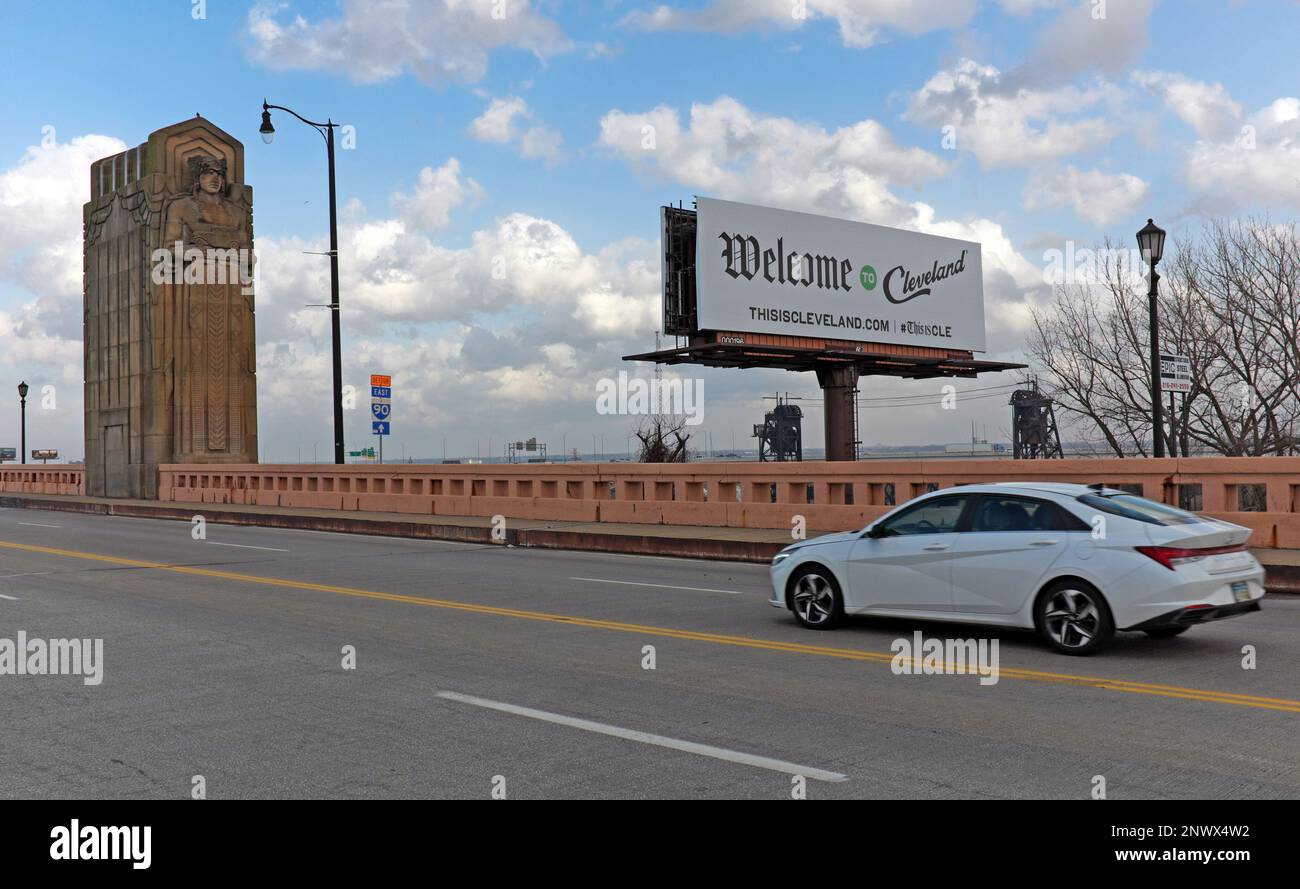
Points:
[509,136]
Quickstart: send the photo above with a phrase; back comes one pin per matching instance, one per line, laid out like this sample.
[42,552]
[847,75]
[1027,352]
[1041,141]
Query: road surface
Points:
[485,668]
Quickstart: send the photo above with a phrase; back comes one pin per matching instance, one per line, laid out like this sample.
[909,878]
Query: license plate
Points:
[1222,563]
[1241,591]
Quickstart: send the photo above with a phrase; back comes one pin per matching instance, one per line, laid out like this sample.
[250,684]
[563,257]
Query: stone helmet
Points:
[201,164]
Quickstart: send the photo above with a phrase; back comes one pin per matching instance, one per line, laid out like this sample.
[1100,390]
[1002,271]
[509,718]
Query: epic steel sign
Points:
[762,270]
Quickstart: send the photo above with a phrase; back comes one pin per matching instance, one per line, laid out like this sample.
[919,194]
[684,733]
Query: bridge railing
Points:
[1262,493]
[44,479]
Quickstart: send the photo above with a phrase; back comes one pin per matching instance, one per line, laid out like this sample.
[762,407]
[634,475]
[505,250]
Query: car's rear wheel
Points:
[1073,617]
[815,598]
[1166,632]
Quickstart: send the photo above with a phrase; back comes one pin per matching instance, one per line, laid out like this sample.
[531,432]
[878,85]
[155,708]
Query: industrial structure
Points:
[1033,426]
[780,435]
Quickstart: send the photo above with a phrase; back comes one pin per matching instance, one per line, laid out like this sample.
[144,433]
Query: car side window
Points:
[938,516]
[993,513]
[1021,514]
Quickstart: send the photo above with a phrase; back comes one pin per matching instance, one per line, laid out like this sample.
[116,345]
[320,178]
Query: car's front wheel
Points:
[1073,617]
[815,598]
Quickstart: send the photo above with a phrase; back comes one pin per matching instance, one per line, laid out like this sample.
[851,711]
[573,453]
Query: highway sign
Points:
[379,427]
[381,380]
[381,392]
[381,409]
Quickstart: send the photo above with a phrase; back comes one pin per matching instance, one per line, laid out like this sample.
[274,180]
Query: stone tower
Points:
[170,357]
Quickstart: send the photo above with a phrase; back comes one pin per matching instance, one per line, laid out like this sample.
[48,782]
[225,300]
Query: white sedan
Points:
[1075,562]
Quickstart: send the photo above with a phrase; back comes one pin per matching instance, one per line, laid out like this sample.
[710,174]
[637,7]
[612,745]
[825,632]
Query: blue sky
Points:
[1070,126]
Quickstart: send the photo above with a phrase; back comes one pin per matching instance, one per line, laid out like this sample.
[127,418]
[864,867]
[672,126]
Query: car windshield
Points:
[1130,506]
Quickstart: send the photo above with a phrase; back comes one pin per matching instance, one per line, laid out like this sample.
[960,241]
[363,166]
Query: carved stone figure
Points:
[169,310]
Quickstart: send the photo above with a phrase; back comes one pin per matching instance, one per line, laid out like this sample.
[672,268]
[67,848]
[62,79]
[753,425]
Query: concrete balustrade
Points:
[830,496]
[42,479]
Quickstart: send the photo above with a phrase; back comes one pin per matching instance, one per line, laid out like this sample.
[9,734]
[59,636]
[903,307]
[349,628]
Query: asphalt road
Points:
[478,666]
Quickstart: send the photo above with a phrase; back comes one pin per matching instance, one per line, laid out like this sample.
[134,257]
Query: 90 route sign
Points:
[381,407]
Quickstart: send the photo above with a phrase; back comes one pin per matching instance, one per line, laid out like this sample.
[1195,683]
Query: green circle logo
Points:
[868,277]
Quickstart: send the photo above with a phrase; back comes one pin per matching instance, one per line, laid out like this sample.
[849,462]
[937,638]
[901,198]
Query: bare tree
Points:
[1228,301]
[662,439]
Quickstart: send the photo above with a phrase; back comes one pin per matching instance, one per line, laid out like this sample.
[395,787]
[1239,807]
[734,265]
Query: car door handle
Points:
[936,547]
[1043,542]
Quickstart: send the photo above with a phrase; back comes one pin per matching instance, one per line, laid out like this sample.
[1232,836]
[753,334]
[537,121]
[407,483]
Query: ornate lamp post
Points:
[22,407]
[327,132]
[1151,241]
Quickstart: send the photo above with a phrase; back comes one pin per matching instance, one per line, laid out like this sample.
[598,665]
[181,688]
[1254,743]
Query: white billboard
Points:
[760,270]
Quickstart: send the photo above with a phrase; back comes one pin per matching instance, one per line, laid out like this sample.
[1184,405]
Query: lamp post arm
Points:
[322,128]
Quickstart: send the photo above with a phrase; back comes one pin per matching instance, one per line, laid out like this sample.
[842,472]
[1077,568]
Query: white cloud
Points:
[1011,128]
[730,150]
[511,120]
[1257,164]
[437,193]
[378,40]
[1091,35]
[1207,108]
[497,122]
[1099,197]
[861,23]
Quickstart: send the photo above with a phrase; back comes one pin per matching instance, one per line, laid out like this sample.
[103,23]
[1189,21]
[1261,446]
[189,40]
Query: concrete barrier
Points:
[44,479]
[829,496]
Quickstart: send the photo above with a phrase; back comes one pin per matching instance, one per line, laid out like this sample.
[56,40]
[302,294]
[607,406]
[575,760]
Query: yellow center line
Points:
[1122,685]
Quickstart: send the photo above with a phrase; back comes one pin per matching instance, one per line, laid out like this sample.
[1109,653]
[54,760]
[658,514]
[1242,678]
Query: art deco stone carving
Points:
[170,360]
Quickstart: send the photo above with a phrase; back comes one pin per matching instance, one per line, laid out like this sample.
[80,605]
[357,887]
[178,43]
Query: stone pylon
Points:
[170,350]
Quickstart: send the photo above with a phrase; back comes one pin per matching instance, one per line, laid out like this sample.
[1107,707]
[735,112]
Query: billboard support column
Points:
[838,385]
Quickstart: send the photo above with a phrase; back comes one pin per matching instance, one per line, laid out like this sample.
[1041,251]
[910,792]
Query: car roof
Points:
[1026,487]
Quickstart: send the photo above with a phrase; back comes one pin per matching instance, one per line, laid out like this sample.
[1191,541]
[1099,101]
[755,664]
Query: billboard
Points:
[761,270]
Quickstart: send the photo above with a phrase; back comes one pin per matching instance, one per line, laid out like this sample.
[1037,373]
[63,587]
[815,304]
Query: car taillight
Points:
[1173,556]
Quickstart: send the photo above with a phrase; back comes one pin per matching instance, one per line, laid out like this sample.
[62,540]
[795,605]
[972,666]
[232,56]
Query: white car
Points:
[1075,562]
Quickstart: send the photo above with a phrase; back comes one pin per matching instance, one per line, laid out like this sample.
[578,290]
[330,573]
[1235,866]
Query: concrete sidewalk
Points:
[682,541]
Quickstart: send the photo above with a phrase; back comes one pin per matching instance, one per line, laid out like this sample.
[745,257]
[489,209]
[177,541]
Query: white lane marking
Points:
[248,546]
[10,598]
[39,525]
[662,586]
[600,728]
[33,574]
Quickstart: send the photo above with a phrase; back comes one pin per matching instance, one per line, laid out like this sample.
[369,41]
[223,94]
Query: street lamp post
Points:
[22,408]
[327,132]
[1151,241]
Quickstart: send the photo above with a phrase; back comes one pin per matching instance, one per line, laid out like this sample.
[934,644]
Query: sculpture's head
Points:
[208,174]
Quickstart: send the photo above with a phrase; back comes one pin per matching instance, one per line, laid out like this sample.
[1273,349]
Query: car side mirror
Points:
[875,532]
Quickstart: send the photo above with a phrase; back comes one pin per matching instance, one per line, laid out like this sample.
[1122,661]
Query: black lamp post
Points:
[327,132]
[22,407]
[1151,241]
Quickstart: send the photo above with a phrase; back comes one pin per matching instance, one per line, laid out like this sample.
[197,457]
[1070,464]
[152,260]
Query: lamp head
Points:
[267,131]
[1151,241]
